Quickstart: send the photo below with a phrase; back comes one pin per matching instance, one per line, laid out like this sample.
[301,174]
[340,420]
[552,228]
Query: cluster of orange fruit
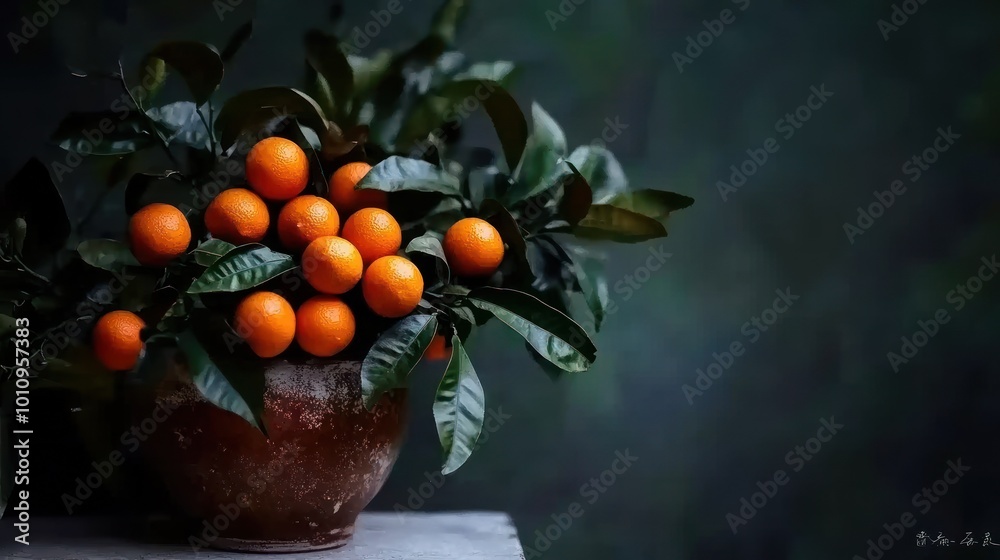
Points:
[334,258]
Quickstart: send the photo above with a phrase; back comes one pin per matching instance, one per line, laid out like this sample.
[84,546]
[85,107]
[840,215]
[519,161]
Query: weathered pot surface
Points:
[301,487]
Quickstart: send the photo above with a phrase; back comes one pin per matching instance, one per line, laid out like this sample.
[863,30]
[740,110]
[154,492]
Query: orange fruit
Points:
[116,340]
[305,219]
[332,265]
[324,326]
[392,286]
[374,232]
[158,233]
[437,349]
[238,216]
[277,168]
[267,322]
[473,247]
[346,198]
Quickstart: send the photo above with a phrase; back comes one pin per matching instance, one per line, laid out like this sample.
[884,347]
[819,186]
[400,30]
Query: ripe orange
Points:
[158,233]
[473,247]
[437,350]
[238,216]
[392,286]
[267,322]
[374,232]
[305,219]
[116,339]
[332,265]
[346,198]
[277,168]
[324,326]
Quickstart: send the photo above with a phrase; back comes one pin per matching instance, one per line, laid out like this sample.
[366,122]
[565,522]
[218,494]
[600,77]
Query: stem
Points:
[149,120]
[34,274]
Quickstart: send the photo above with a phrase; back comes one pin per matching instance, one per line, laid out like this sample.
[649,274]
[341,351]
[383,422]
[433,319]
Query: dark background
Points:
[826,356]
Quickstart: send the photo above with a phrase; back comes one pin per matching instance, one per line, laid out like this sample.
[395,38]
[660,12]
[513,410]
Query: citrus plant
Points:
[348,224]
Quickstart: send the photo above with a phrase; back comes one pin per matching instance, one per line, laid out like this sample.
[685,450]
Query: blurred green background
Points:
[783,229]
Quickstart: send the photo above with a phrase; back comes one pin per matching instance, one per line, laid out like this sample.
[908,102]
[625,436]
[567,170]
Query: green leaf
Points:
[498,216]
[545,148]
[198,64]
[601,170]
[281,101]
[241,36]
[459,408]
[497,71]
[290,128]
[368,71]
[394,354]
[428,244]
[594,285]
[447,19]
[651,203]
[146,188]
[611,223]
[210,251]
[125,133]
[32,195]
[212,383]
[576,199]
[181,123]
[106,254]
[503,110]
[554,335]
[324,55]
[241,269]
[398,173]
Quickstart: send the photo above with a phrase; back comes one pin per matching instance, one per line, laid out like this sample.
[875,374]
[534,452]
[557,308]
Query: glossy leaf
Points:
[601,170]
[510,232]
[508,120]
[236,42]
[116,134]
[212,383]
[325,56]
[106,254]
[554,335]
[545,148]
[241,269]
[181,123]
[611,223]
[145,188]
[594,285]
[279,101]
[210,251]
[430,245]
[498,71]
[199,64]
[405,174]
[459,408]
[394,355]
[652,203]
[577,197]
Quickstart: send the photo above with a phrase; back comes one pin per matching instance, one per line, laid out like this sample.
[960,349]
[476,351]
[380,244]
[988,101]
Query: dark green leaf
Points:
[652,203]
[210,251]
[548,367]
[103,133]
[498,216]
[594,285]
[324,55]
[138,292]
[241,36]
[290,128]
[554,335]
[447,19]
[198,64]
[545,148]
[181,123]
[107,254]
[368,71]
[615,224]
[502,108]
[144,188]
[497,71]
[601,170]
[32,195]
[576,197]
[212,383]
[404,174]
[242,268]
[459,408]
[393,356]
[18,233]
[282,101]
[430,245]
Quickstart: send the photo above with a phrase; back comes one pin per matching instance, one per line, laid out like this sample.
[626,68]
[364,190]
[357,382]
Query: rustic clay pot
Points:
[299,489]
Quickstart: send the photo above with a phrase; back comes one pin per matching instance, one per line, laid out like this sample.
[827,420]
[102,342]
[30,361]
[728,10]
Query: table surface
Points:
[379,536]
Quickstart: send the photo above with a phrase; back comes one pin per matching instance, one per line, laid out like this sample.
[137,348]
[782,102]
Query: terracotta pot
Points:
[302,487]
